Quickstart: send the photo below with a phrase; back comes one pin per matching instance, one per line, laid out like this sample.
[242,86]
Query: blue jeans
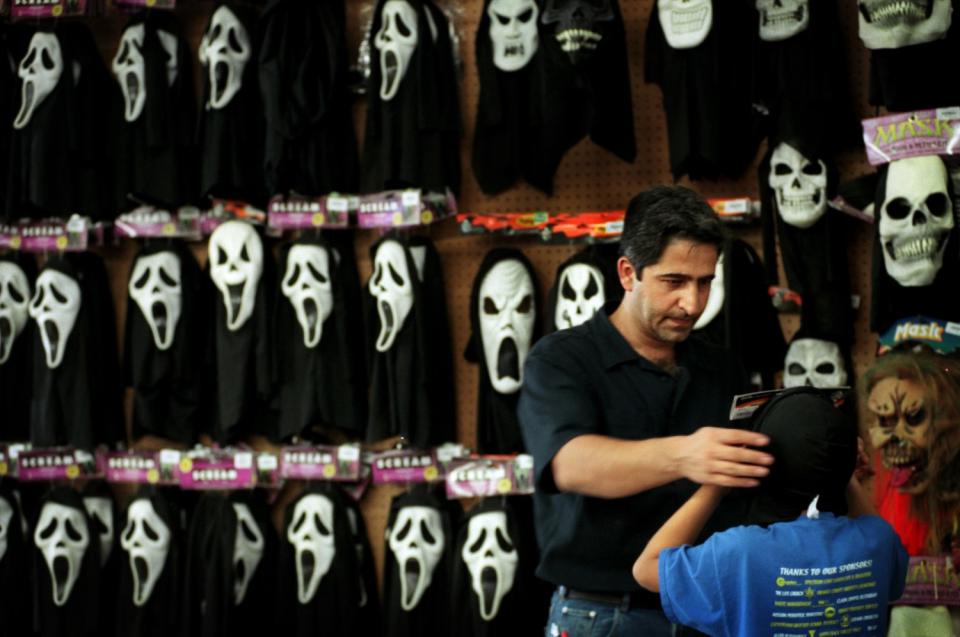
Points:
[583,618]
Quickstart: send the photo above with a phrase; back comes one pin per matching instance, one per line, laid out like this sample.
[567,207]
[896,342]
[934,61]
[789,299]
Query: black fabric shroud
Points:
[15,568]
[112,562]
[8,105]
[370,611]
[16,372]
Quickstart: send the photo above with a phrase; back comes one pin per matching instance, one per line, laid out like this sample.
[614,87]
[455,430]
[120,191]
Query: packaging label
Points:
[147,221]
[155,4]
[224,469]
[406,466]
[735,209]
[490,475]
[47,8]
[53,235]
[268,470]
[901,135]
[395,208]
[942,336]
[297,213]
[60,463]
[139,467]
[321,463]
[931,580]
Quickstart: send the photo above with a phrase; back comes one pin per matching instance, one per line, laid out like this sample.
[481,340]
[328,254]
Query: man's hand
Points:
[713,455]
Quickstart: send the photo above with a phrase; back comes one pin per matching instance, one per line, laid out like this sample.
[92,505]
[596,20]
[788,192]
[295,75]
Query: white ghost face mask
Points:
[62,535]
[416,540]
[248,545]
[397,42]
[14,300]
[236,264]
[156,287]
[685,23]
[224,53]
[131,71]
[513,32]
[799,186]
[39,71]
[308,285]
[715,300]
[782,19]
[311,534]
[391,284]
[892,24]
[507,314]
[55,306]
[580,294]
[916,219]
[491,558]
[146,539]
[813,362]
[100,511]
[6,517]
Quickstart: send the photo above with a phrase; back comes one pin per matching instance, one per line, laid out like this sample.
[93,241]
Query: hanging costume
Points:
[101,513]
[16,612]
[370,612]
[18,271]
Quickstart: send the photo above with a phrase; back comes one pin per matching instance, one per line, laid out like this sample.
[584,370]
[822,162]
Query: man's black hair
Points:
[657,216]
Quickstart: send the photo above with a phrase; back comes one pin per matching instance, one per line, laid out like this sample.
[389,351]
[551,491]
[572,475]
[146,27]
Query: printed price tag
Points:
[321,463]
[489,476]
[406,466]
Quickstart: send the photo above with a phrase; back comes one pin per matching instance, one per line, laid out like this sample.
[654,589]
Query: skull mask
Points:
[799,186]
[417,541]
[580,294]
[392,287]
[248,547]
[513,32]
[397,41]
[782,19]
[891,24]
[813,362]
[915,220]
[716,298]
[308,285]
[6,517]
[579,25]
[14,299]
[311,534]
[62,535]
[507,312]
[685,23]
[490,556]
[236,263]
[903,431]
[100,511]
[40,71]
[155,285]
[224,52]
[55,306]
[130,69]
[146,539]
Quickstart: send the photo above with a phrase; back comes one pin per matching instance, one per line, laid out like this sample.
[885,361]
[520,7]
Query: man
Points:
[614,410]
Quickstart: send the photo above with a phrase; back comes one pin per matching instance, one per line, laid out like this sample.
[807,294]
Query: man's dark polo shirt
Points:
[588,380]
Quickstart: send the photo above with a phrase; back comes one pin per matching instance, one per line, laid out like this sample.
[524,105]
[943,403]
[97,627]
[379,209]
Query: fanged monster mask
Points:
[62,535]
[916,218]
[578,25]
[417,542]
[155,285]
[311,534]
[248,548]
[55,306]
[799,186]
[392,287]
[782,19]
[40,71]
[146,539]
[307,284]
[14,300]
[236,264]
[891,24]
[513,32]
[715,300]
[813,362]
[903,431]
[130,70]
[506,307]
[224,52]
[397,42]
[685,23]
[100,511]
[490,556]
[580,294]
[6,516]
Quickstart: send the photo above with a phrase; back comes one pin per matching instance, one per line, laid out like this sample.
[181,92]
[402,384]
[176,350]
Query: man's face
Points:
[668,297]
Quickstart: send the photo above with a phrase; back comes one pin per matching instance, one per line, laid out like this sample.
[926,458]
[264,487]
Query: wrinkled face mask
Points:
[62,537]
[903,432]
[491,557]
[130,69]
[715,300]
[580,294]
[14,299]
[392,287]
[308,286]
[891,24]
[40,71]
[311,534]
[55,306]
[156,287]
[397,42]
[224,52]
[146,539]
[685,23]
[578,25]
[799,186]
[507,315]
[417,542]
[100,511]
[236,264]
[782,19]
[513,32]
[248,548]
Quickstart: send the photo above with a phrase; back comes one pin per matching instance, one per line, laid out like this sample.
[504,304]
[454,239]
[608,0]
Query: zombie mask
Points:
[903,431]
[814,363]
[40,71]
[716,298]
[397,42]
[14,299]
[130,69]
[248,548]
[62,535]
[155,285]
[311,534]
[236,263]
[580,294]
[685,23]
[507,314]
[513,32]
[490,556]
[799,186]
[6,517]
[224,53]
[146,539]
[55,306]
[309,287]
[916,218]
[392,286]
[417,542]
[578,25]
[891,24]
[100,511]
[782,19]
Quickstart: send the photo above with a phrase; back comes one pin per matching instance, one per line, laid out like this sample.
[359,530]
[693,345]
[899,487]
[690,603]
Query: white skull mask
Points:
[224,52]
[55,306]
[311,533]
[782,19]
[397,41]
[236,264]
[580,294]
[915,220]
[358,547]
[40,71]
[308,285]
[130,69]
[6,517]
[248,545]
[156,287]
[715,300]
[685,23]
[513,32]
[891,24]
[813,362]
[100,511]
[799,186]
[63,537]
[416,540]
[507,314]
[14,300]
[392,286]
[490,556]
[146,539]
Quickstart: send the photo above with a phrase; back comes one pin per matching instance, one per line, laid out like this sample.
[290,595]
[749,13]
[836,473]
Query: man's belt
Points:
[623,601]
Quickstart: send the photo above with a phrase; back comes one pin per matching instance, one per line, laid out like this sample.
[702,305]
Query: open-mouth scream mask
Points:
[417,542]
[62,535]
[14,300]
[55,306]
[307,284]
[248,548]
[40,71]
[224,52]
[491,557]
[130,69]
[311,534]
[507,314]
[236,264]
[155,285]
[146,539]
[397,42]
[392,286]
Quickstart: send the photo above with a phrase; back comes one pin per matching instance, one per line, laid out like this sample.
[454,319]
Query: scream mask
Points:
[236,263]
[507,316]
